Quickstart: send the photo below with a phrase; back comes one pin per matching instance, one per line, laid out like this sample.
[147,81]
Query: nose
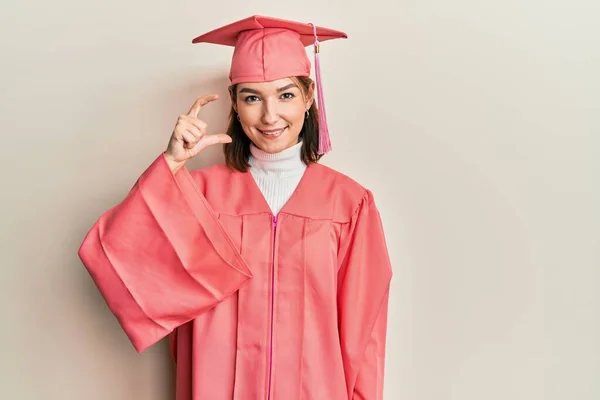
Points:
[270,113]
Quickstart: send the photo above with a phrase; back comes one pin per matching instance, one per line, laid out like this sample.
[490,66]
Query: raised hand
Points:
[189,136]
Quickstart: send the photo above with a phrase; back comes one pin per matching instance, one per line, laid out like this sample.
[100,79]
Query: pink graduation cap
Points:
[267,49]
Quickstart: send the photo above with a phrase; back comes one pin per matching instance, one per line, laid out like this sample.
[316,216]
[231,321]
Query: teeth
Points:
[272,133]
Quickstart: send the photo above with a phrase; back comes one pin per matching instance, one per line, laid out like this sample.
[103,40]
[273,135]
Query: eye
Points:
[287,96]
[250,99]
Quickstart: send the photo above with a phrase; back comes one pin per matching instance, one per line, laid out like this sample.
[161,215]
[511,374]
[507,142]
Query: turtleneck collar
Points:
[286,161]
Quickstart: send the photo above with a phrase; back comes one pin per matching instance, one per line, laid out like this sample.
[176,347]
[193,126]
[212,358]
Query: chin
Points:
[275,145]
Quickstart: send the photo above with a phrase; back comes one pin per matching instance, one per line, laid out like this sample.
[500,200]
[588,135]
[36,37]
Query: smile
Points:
[272,133]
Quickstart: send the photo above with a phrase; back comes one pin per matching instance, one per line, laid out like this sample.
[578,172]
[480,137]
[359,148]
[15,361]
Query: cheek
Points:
[248,114]
[294,113]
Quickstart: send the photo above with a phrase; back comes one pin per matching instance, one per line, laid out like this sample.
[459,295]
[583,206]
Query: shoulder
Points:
[345,194]
[344,184]
[215,177]
[220,169]
[213,172]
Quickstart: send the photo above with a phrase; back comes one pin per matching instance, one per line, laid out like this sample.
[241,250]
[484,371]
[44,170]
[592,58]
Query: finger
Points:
[189,139]
[224,138]
[210,140]
[189,127]
[199,124]
[201,102]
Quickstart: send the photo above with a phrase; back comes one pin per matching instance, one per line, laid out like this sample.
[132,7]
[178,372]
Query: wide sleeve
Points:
[160,257]
[363,292]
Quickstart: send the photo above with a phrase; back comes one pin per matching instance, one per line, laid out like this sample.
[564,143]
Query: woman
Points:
[269,273]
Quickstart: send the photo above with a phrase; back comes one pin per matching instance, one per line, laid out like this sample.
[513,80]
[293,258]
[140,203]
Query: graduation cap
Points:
[267,49]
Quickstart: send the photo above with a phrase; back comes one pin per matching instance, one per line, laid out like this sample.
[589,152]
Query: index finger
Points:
[201,102]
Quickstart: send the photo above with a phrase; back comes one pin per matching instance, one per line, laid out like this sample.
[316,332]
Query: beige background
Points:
[475,123]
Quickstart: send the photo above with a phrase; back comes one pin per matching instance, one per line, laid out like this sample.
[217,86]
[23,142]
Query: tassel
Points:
[324,139]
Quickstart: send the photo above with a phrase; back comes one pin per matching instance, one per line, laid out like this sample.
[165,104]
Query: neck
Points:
[277,174]
[282,163]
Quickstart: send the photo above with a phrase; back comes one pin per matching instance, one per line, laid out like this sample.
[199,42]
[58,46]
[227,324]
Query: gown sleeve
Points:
[160,257]
[363,292]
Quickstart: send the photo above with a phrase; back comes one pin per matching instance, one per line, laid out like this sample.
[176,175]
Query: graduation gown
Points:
[256,306]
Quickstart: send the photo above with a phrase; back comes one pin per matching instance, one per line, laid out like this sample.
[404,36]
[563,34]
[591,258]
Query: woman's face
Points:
[272,113]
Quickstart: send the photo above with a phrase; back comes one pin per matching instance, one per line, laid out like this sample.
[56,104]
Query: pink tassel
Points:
[324,139]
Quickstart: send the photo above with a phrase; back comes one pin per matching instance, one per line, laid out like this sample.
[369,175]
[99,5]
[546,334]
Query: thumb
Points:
[223,138]
[209,140]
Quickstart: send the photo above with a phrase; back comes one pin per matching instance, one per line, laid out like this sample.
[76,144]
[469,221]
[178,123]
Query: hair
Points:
[237,152]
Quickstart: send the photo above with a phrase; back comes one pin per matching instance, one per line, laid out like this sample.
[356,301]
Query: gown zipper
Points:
[272,308]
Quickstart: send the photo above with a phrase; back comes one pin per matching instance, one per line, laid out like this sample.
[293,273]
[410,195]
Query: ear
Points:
[310,96]
[231,97]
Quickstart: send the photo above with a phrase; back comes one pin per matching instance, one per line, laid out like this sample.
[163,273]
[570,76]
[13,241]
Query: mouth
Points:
[272,133]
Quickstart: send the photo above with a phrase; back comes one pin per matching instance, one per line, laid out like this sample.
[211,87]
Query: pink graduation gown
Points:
[256,306]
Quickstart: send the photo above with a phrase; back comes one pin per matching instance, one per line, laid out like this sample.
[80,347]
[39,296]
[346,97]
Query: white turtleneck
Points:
[277,174]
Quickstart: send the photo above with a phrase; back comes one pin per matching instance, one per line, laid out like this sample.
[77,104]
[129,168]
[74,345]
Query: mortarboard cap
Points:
[267,49]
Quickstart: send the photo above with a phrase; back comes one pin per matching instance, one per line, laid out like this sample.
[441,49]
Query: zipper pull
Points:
[275,220]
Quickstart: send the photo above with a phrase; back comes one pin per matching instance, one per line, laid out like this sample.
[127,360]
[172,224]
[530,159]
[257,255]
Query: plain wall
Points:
[476,124]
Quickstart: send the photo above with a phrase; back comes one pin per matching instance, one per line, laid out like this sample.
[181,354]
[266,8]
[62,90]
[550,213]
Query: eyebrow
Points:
[281,89]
